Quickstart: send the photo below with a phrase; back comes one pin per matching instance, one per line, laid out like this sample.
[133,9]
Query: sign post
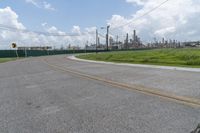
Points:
[14,45]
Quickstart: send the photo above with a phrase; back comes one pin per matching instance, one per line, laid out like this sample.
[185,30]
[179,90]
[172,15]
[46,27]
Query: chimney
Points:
[134,35]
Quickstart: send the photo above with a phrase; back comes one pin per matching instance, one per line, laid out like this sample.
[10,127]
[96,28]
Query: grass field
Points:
[6,59]
[166,57]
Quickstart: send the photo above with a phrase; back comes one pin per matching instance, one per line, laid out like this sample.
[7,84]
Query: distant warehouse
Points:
[35,48]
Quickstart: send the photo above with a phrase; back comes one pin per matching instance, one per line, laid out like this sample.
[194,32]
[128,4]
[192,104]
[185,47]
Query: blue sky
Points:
[67,13]
[173,20]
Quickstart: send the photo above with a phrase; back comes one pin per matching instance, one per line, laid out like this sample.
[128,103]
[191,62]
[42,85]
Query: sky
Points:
[174,20]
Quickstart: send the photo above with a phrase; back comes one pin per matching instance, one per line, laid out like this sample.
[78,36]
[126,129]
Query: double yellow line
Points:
[148,91]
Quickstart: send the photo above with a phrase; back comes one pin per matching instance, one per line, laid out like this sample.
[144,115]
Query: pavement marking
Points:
[32,86]
[193,102]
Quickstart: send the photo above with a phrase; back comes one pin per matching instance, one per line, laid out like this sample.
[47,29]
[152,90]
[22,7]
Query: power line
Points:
[131,21]
[13,29]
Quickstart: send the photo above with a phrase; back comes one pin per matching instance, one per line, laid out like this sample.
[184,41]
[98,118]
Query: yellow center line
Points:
[149,91]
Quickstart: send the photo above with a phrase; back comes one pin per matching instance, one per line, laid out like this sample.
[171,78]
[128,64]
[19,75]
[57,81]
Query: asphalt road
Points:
[37,98]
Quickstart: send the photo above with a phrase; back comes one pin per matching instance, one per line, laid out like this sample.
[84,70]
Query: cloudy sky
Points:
[176,19]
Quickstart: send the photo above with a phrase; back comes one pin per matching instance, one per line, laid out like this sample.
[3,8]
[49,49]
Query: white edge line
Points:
[138,65]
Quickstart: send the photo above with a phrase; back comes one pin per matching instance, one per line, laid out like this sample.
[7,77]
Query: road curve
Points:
[38,98]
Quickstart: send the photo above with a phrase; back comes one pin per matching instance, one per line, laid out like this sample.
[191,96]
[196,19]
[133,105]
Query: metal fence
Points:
[34,53]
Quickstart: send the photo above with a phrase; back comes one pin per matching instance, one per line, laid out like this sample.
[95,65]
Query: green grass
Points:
[166,57]
[2,60]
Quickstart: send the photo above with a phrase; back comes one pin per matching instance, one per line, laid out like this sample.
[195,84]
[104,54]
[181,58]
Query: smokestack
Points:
[136,38]
[126,41]
[163,40]
[134,35]
[127,37]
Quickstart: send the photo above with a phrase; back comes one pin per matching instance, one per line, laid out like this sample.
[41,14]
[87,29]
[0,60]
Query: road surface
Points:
[57,95]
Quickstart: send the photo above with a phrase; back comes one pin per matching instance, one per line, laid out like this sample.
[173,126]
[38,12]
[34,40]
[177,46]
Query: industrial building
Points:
[132,43]
[135,42]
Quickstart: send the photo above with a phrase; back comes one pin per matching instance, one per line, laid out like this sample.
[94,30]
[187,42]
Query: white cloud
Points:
[9,18]
[33,2]
[162,32]
[76,29]
[91,29]
[176,20]
[41,4]
[48,6]
[44,24]
[139,2]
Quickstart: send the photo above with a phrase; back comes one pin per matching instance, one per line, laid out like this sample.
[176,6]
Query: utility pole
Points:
[117,39]
[97,39]
[107,37]
[126,41]
[86,46]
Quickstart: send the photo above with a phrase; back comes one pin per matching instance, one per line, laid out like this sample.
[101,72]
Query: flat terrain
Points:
[39,98]
[2,60]
[168,57]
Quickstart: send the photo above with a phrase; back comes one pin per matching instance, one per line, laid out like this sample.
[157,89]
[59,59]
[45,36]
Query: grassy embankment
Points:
[166,57]
[2,60]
